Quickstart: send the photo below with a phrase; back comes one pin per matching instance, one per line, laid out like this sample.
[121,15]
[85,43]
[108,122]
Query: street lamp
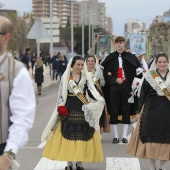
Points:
[51,31]
[82,35]
[72,29]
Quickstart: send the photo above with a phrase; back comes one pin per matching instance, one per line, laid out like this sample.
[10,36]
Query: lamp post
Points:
[148,43]
[72,29]
[82,35]
[51,31]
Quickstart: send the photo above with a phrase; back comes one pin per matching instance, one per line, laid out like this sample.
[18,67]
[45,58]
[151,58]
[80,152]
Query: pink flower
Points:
[137,83]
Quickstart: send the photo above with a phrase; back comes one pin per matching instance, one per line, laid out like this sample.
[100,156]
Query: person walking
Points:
[26,57]
[33,58]
[62,65]
[151,137]
[119,72]
[54,62]
[39,73]
[17,100]
[75,137]
[15,55]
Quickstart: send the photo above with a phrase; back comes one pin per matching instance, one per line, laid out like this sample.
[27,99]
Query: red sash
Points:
[120,74]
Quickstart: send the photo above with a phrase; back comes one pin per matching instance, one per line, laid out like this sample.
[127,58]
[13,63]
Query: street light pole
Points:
[82,36]
[89,34]
[51,31]
[72,29]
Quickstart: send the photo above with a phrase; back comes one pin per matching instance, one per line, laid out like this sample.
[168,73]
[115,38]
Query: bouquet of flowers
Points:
[62,114]
[135,87]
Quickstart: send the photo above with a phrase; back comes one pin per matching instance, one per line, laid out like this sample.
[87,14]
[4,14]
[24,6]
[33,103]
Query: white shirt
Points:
[22,104]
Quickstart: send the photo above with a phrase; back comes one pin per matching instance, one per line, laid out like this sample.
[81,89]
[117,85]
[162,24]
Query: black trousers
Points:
[2,147]
[119,105]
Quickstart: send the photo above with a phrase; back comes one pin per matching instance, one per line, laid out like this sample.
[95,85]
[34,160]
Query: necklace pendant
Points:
[2,77]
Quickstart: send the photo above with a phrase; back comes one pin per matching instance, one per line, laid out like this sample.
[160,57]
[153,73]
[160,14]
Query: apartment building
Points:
[61,10]
[109,24]
[92,12]
[134,26]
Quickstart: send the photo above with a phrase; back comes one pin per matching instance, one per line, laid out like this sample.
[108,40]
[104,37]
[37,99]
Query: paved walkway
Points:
[47,78]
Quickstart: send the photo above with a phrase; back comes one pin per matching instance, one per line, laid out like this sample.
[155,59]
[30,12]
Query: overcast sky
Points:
[119,10]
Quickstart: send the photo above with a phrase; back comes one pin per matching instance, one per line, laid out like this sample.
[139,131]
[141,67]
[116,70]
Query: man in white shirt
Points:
[17,100]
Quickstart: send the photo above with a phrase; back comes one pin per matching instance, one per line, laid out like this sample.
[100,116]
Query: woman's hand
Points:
[137,117]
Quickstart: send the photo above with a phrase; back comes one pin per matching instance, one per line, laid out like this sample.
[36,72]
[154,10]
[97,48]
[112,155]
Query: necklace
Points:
[163,78]
[76,80]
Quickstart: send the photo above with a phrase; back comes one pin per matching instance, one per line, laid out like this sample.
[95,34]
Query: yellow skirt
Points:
[59,148]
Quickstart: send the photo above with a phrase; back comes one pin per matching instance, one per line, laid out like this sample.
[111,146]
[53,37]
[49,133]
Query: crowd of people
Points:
[92,95]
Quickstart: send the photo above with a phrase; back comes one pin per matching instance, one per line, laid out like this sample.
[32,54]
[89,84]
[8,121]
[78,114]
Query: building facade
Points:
[134,26]
[61,10]
[166,16]
[109,24]
[92,13]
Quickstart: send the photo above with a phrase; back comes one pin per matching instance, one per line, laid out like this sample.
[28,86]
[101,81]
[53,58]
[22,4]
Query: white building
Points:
[109,24]
[92,12]
[55,31]
[134,26]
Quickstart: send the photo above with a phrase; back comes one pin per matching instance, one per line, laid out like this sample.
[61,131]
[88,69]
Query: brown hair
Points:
[91,56]
[119,39]
[161,54]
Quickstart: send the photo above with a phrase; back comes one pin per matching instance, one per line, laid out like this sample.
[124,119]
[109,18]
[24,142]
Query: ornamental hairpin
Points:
[161,53]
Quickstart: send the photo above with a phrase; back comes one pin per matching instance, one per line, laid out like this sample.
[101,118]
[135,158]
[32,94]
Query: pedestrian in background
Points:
[39,73]
[62,64]
[15,55]
[151,137]
[54,61]
[33,58]
[26,57]
[17,100]
[76,137]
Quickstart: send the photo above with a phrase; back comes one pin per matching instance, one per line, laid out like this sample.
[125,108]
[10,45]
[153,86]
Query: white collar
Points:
[2,56]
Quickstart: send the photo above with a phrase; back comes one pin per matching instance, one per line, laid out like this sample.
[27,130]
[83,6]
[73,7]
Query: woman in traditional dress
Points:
[38,72]
[76,138]
[151,137]
[98,80]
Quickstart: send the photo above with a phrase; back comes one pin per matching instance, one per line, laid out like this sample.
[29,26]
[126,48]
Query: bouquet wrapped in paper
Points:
[135,86]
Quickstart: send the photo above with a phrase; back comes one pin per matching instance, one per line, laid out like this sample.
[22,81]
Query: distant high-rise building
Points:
[166,16]
[134,26]
[158,18]
[7,11]
[61,10]
[109,25]
[92,12]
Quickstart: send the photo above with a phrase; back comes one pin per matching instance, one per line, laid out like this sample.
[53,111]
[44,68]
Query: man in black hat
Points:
[26,57]
[119,72]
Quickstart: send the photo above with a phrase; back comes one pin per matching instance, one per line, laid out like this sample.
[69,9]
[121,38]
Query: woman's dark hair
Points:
[161,54]
[75,58]
[91,56]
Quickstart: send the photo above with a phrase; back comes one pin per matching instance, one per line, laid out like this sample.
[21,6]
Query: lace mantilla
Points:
[99,76]
[93,111]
